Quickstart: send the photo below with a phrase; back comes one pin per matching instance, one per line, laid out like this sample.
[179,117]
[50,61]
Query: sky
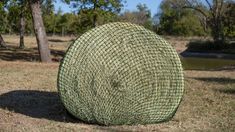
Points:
[129,5]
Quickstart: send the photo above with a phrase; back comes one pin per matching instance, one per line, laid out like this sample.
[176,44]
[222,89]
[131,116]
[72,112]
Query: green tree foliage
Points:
[89,13]
[92,13]
[3,18]
[214,11]
[142,16]
[49,17]
[2,23]
[229,20]
[175,17]
[62,24]
[10,16]
[175,21]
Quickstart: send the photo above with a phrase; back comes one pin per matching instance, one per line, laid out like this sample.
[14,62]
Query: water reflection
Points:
[190,63]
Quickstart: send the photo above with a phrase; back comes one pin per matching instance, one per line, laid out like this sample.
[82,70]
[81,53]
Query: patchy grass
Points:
[29,100]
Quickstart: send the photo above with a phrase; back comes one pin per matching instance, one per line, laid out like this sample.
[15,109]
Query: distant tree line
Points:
[215,16]
[175,17]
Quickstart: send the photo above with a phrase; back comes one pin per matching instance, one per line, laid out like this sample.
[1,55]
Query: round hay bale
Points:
[121,73]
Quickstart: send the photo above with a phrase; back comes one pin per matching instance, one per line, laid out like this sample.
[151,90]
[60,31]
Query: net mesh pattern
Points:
[121,73]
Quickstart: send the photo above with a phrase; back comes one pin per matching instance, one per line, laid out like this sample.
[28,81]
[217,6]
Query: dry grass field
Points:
[30,54]
[29,99]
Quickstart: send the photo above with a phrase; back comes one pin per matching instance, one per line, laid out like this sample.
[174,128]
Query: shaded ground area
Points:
[29,102]
[58,46]
[36,104]
[27,54]
[221,80]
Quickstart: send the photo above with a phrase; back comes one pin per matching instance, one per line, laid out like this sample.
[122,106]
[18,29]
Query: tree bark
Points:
[22,29]
[40,32]
[2,43]
[95,24]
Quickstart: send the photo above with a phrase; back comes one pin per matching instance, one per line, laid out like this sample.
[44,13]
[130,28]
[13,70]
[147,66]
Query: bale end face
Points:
[121,73]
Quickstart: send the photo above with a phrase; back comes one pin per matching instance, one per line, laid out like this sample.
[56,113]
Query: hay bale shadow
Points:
[36,104]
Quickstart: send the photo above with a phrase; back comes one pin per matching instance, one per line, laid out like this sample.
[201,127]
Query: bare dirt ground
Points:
[29,99]
[180,43]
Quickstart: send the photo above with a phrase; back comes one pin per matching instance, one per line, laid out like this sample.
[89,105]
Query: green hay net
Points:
[121,73]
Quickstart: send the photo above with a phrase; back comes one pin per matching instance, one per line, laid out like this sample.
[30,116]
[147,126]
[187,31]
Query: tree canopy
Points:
[142,16]
[175,21]
[214,12]
[174,17]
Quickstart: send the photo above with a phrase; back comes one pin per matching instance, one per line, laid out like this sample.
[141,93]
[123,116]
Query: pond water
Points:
[190,63]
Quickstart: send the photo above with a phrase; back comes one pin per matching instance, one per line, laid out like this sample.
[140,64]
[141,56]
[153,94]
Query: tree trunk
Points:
[95,24]
[54,27]
[217,31]
[22,29]
[2,43]
[40,32]
[62,32]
